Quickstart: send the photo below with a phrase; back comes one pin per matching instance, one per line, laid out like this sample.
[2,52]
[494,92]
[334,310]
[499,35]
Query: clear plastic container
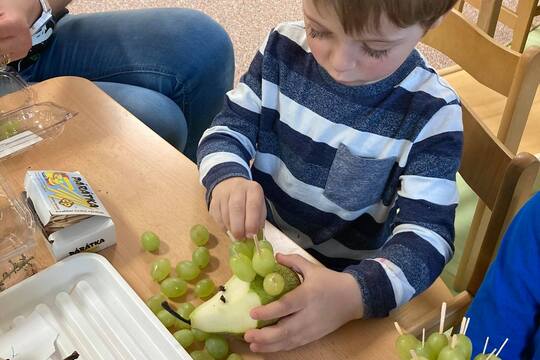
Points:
[23,124]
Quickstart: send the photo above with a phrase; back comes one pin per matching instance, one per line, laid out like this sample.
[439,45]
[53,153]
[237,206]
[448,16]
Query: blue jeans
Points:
[169,67]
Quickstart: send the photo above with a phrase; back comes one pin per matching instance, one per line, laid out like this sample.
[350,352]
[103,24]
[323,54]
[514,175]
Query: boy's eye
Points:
[377,54]
[317,34]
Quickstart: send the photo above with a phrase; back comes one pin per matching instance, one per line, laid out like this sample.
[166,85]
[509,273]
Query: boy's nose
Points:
[343,59]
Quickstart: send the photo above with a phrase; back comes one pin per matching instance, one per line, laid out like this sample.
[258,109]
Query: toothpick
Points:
[490,355]
[256,241]
[462,327]
[443,315]
[466,326]
[423,337]
[231,236]
[503,345]
[398,328]
[485,345]
[413,354]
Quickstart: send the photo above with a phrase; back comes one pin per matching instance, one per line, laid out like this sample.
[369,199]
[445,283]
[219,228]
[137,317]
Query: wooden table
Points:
[148,185]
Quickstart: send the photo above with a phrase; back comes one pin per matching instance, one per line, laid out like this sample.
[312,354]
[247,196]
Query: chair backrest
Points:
[490,12]
[502,181]
[503,70]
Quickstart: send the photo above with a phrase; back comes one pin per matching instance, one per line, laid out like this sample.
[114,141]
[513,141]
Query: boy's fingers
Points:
[224,210]
[275,338]
[215,212]
[289,304]
[237,213]
[254,207]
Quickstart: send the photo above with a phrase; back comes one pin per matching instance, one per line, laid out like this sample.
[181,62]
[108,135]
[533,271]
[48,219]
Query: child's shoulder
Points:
[293,32]
[425,79]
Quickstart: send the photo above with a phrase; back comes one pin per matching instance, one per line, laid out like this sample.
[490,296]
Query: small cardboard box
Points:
[72,217]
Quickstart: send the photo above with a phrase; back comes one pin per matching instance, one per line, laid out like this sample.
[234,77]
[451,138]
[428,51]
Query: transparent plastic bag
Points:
[23,123]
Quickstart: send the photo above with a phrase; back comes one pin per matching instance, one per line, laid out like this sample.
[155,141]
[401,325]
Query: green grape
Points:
[217,346]
[447,353]
[404,344]
[273,284]
[204,288]
[425,352]
[241,267]
[464,344]
[436,342]
[185,310]
[160,269]
[187,270]
[154,303]
[265,244]
[485,356]
[199,335]
[166,318]
[263,262]
[184,337]
[199,235]
[240,247]
[200,355]
[8,129]
[251,245]
[201,257]
[173,287]
[150,241]
[234,356]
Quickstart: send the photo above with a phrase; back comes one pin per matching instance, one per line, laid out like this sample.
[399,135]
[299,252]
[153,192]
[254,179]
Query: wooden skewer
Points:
[490,355]
[231,236]
[503,345]
[485,345]
[443,315]
[398,328]
[466,326]
[256,241]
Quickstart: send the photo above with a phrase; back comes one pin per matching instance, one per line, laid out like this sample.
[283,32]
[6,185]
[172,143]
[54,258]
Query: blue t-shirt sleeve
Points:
[507,304]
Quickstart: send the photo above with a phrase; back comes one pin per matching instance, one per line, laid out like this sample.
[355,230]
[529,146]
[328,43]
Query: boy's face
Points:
[361,58]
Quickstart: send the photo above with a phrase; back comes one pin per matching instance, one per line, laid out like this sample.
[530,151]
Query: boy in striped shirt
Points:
[344,137]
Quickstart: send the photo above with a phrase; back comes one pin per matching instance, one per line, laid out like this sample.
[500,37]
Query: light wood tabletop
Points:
[146,184]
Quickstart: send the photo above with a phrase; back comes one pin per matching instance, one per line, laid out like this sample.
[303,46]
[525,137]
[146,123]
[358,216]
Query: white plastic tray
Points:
[93,310]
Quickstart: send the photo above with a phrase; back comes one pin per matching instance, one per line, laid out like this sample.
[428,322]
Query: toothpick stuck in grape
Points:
[398,328]
[231,236]
[491,354]
[443,315]
[256,241]
[502,346]
[485,345]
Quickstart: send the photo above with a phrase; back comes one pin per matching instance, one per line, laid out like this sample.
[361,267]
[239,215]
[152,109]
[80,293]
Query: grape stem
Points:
[73,356]
[165,305]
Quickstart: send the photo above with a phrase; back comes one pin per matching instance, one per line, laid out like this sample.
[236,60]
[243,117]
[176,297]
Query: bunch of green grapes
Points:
[441,346]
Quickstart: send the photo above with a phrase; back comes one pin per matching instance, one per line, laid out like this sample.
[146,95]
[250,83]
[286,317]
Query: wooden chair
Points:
[502,181]
[520,20]
[496,69]
[509,73]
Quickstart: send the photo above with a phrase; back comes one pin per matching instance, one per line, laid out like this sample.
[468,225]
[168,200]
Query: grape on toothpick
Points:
[405,343]
[241,266]
[263,262]
[438,340]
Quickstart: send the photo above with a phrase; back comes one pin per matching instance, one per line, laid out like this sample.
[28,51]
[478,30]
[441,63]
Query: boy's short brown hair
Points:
[357,16]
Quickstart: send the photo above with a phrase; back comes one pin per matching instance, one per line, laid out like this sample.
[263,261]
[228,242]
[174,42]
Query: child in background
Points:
[344,137]
[508,302]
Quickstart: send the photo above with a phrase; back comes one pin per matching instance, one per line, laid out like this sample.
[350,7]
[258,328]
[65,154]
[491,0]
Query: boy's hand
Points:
[325,301]
[238,205]
[15,21]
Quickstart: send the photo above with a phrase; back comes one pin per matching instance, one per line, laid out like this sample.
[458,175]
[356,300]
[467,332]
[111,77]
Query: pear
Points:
[227,312]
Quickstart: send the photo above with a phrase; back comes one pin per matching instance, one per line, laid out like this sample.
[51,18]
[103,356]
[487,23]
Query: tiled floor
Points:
[247,21]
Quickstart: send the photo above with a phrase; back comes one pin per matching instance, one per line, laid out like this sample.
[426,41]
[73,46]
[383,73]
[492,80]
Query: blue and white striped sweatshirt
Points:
[361,177]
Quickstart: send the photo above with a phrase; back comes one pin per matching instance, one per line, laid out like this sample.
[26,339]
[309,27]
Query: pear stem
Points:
[165,305]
